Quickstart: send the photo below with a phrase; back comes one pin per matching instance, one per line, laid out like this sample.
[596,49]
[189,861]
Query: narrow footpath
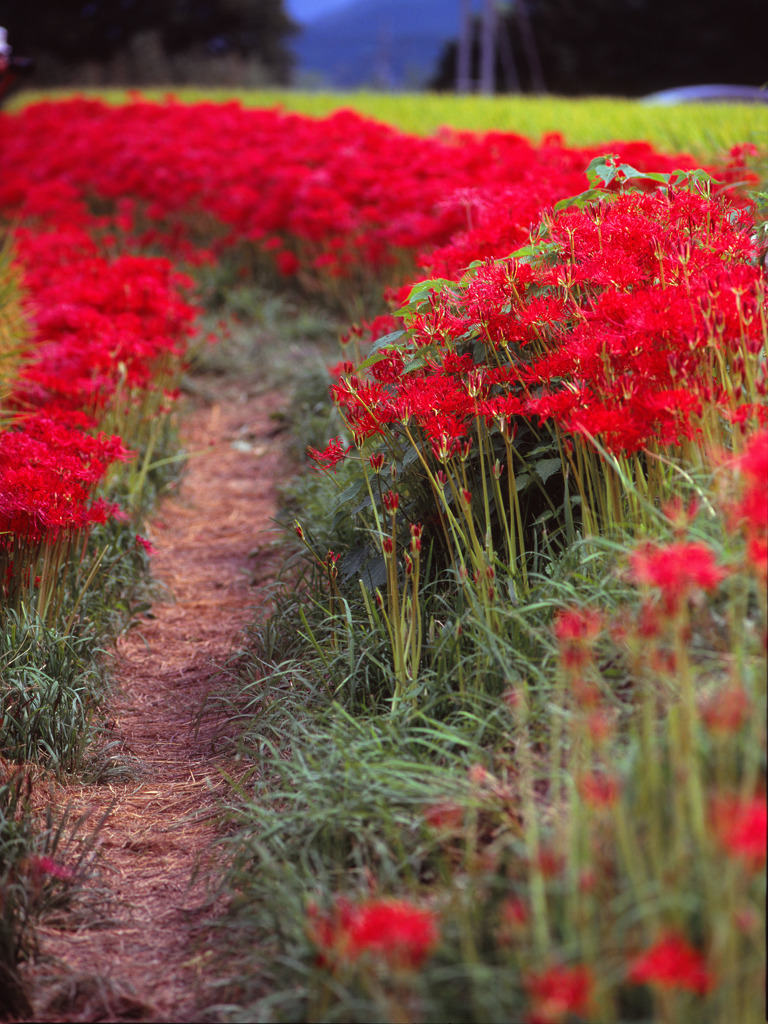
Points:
[138,951]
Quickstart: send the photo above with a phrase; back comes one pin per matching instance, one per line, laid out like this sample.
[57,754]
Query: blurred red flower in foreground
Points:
[40,865]
[742,827]
[672,963]
[576,630]
[391,930]
[726,710]
[678,570]
[599,790]
[751,510]
[557,993]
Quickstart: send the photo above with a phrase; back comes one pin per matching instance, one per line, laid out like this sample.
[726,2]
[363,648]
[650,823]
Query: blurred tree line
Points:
[619,47]
[142,42]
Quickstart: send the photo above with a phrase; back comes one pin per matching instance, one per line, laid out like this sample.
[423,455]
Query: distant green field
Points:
[703,129]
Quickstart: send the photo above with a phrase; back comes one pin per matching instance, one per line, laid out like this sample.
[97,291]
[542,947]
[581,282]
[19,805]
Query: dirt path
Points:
[140,957]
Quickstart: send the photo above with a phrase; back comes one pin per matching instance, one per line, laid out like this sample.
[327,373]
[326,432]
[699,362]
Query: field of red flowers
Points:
[332,201]
[574,383]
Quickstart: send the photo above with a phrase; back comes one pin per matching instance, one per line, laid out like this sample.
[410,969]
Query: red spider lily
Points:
[750,510]
[679,570]
[626,358]
[395,930]
[741,828]
[514,916]
[726,710]
[576,630]
[143,543]
[600,725]
[47,475]
[444,817]
[599,790]
[322,205]
[558,993]
[390,930]
[331,455]
[672,963]
[40,866]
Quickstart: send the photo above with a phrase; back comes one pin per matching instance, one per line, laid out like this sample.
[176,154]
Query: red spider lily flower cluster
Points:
[100,323]
[48,471]
[750,511]
[615,326]
[679,571]
[599,789]
[672,963]
[390,931]
[331,455]
[726,711]
[576,630]
[558,994]
[40,866]
[741,828]
[329,197]
[103,332]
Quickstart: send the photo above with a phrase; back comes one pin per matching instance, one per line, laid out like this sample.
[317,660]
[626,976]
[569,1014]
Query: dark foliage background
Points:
[63,35]
[628,47]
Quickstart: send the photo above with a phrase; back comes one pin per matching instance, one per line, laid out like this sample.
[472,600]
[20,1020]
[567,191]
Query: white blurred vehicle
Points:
[707,94]
[11,68]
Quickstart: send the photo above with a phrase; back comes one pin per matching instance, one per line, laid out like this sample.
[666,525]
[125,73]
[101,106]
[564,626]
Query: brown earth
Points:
[140,953]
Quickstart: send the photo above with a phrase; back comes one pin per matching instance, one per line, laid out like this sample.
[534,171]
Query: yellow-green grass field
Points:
[702,129]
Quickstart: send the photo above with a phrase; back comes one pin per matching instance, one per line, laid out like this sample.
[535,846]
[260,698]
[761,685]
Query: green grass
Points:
[703,129]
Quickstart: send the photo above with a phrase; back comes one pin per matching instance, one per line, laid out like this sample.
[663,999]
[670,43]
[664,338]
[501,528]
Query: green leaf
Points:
[421,289]
[388,340]
[382,346]
[599,170]
[545,468]
[592,195]
[349,493]
[418,361]
[365,563]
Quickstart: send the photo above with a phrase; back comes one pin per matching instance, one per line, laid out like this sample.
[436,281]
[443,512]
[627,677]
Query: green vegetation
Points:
[496,759]
[702,129]
[562,775]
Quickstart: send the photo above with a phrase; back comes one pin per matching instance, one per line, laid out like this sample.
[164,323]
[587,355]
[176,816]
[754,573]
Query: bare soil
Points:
[141,952]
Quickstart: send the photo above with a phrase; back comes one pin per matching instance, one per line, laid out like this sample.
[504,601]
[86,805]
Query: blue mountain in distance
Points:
[307,10]
[382,43]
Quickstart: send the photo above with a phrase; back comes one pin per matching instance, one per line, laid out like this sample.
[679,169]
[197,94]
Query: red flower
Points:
[726,710]
[390,500]
[558,992]
[741,828]
[142,542]
[672,963]
[678,570]
[599,790]
[40,865]
[444,817]
[576,630]
[287,263]
[391,930]
[333,453]
[514,916]
[394,930]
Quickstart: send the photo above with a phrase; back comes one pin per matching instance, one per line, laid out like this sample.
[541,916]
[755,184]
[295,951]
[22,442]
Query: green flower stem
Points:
[689,719]
[536,880]
[514,504]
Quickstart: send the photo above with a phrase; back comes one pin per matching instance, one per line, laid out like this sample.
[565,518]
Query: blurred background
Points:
[567,47]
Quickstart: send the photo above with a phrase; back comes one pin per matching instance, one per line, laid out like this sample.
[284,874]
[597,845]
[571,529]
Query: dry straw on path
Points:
[137,950]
